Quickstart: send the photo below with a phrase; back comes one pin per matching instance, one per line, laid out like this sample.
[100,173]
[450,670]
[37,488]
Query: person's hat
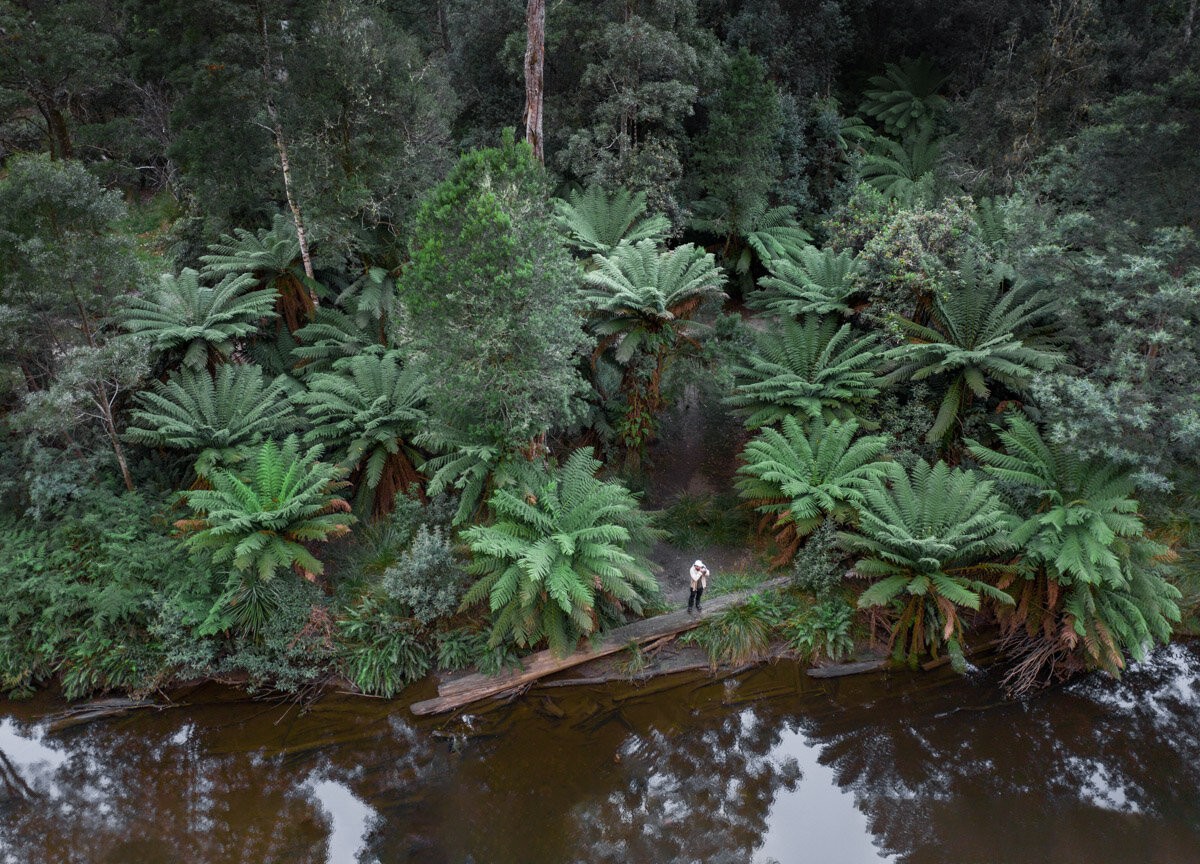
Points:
[698,563]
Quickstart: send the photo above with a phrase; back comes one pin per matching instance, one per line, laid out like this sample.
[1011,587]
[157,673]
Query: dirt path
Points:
[694,458]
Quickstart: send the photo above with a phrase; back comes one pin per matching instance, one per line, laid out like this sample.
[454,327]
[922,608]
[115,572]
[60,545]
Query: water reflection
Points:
[768,767]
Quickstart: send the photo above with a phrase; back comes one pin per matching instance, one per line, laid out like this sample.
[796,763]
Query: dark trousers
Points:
[694,597]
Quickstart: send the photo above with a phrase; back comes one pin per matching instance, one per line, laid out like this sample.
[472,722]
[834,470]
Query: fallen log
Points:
[472,688]
[841,670]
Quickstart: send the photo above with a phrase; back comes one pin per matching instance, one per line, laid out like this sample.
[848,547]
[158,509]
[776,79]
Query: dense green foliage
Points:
[563,558]
[272,259]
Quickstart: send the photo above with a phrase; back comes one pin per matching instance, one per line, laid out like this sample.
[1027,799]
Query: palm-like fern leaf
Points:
[980,333]
[904,170]
[799,477]
[259,520]
[931,535]
[213,417]
[198,322]
[816,367]
[332,335]
[1083,548]
[370,407]
[272,259]
[563,557]
[905,98]
[817,281]
[595,222]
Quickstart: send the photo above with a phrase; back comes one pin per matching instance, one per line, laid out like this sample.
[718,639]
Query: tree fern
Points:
[760,230]
[798,478]
[639,302]
[1087,563]
[370,407]
[983,332]
[212,417]
[816,367]
[562,558]
[595,221]
[272,259]
[903,171]
[816,281]
[905,98]
[197,323]
[931,539]
[263,517]
[332,335]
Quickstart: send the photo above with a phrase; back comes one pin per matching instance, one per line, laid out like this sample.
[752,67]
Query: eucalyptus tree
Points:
[798,477]
[214,418]
[562,558]
[1089,590]
[982,332]
[934,541]
[370,407]
[813,368]
[639,302]
[196,324]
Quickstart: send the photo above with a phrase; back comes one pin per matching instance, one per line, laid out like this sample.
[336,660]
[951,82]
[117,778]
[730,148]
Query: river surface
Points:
[768,766]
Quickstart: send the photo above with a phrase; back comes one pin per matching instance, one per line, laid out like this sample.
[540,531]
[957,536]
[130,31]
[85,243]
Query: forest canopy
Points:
[339,337]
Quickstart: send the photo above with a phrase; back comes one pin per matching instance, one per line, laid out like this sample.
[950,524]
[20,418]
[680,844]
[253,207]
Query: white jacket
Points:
[699,574]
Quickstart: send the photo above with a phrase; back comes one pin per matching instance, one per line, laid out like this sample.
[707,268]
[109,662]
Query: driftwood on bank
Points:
[840,670]
[474,687]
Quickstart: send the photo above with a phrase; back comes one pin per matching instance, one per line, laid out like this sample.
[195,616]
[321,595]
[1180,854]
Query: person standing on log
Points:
[699,574]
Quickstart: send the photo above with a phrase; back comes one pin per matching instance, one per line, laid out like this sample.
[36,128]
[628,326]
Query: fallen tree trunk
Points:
[840,670]
[472,688]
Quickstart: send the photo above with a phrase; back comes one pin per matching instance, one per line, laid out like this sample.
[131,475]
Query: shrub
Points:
[427,577]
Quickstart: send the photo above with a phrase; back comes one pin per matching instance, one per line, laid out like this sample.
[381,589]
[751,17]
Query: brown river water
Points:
[767,766]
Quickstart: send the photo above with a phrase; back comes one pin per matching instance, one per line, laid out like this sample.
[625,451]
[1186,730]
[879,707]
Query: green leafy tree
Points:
[984,332]
[259,520]
[196,323]
[594,221]
[215,418]
[370,407]
[53,57]
[645,68]
[737,156]
[799,477]
[816,281]
[930,537]
[1128,315]
[816,368]
[563,559]
[62,264]
[640,300]
[92,384]
[492,300]
[1089,593]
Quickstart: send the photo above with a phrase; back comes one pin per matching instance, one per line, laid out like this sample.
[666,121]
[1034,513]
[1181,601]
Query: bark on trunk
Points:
[535,56]
[284,162]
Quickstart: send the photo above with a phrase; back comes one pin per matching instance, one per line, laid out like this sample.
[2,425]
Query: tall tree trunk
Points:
[57,131]
[281,148]
[535,61]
